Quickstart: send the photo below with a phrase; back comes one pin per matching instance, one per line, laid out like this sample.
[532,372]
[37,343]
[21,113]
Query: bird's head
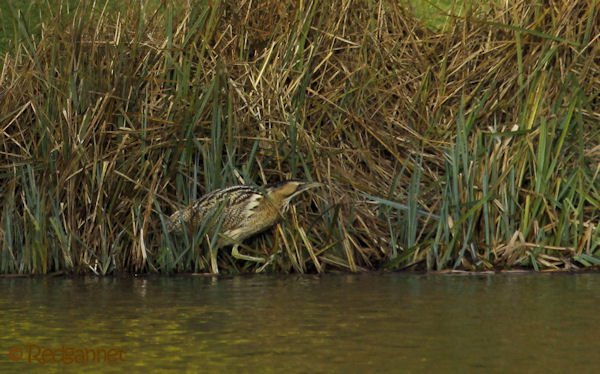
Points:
[285,191]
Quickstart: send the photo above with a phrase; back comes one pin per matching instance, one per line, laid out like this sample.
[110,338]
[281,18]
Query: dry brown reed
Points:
[473,147]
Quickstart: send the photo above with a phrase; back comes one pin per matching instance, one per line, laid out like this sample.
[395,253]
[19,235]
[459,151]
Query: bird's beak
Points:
[305,187]
[309,185]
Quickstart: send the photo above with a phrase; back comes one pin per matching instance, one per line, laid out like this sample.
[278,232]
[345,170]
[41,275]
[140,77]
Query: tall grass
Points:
[475,146]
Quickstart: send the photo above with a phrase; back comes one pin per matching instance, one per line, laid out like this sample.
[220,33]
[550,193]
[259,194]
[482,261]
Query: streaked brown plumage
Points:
[242,211]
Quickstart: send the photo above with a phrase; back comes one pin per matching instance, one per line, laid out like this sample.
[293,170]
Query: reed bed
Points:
[474,146]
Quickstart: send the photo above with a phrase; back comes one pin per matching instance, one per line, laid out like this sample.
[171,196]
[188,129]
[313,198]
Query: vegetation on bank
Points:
[473,146]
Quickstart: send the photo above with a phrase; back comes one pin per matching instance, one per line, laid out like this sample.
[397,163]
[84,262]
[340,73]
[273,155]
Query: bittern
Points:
[239,212]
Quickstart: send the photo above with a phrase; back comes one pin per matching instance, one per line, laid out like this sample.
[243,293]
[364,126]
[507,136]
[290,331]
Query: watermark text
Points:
[67,355]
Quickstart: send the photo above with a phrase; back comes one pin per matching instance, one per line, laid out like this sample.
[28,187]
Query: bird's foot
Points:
[269,262]
[235,253]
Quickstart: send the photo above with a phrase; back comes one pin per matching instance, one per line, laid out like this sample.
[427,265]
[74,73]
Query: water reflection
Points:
[309,323]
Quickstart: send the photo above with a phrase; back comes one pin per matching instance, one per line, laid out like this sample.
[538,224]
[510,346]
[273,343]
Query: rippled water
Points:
[333,323]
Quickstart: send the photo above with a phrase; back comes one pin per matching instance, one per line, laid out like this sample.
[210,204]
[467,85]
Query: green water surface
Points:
[303,324]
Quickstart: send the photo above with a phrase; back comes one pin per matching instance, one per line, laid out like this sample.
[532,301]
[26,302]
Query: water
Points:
[302,324]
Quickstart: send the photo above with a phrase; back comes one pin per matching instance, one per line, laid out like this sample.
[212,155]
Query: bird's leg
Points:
[235,253]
